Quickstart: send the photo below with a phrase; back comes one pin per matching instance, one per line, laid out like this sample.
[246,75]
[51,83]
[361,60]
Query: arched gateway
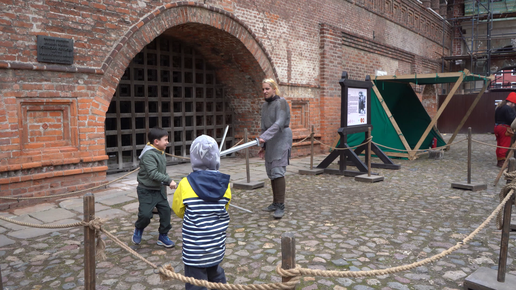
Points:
[104,112]
[196,70]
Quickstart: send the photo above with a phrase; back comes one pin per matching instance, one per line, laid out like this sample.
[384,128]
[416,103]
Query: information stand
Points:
[355,118]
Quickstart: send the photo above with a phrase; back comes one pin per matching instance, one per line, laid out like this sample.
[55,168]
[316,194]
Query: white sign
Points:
[357,107]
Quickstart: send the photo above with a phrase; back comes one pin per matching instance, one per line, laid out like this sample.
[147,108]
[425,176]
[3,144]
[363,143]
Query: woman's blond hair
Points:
[273,85]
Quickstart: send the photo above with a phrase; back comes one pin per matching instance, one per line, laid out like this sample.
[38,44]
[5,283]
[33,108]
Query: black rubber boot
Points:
[271,207]
[278,189]
[280,211]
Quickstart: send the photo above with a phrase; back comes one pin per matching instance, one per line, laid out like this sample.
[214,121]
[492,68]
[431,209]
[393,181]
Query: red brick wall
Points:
[52,116]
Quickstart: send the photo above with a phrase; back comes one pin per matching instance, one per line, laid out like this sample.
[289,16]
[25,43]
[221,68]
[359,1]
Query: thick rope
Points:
[421,150]
[167,271]
[342,274]
[387,147]
[298,271]
[81,223]
[298,142]
[349,148]
[491,145]
[70,193]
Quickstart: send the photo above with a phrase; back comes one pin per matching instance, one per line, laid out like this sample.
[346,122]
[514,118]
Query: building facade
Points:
[191,67]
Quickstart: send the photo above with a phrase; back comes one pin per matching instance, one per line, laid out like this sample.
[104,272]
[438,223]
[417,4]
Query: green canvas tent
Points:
[401,124]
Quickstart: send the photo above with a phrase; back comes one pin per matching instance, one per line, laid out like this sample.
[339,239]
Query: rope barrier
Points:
[298,142]
[349,148]
[91,188]
[187,158]
[166,271]
[341,274]
[490,145]
[42,226]
[384,146]
[70,193]
[421,150]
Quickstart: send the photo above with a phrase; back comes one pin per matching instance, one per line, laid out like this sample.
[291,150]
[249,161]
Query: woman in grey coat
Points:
[276,137]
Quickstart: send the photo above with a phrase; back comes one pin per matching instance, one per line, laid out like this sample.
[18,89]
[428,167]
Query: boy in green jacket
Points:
[151,192]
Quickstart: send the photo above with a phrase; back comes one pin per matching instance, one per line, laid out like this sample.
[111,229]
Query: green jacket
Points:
[153,170]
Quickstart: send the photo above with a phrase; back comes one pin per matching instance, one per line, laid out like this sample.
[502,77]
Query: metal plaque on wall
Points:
[55,49]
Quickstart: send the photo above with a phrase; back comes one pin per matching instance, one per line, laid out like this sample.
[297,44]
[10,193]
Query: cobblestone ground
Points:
[339,224]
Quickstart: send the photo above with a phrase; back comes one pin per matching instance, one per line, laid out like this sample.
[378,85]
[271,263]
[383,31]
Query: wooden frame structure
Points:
[452,77]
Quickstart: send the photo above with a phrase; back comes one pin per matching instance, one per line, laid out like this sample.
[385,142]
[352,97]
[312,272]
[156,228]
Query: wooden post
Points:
[1,284]
[288,254]
[369,152]
[312,149]
[469,155]
[89,243]
[247,158]
[511,152]
[506,229]
[438,113]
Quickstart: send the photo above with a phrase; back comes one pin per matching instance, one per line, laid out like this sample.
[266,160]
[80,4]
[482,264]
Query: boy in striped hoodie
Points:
[201,200]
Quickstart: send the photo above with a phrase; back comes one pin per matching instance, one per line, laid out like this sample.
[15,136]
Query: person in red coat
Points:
[504,115]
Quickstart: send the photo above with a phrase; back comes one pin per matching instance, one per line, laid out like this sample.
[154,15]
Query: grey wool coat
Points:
[276,131]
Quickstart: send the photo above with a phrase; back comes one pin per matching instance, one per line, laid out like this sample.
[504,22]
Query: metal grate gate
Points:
[170,86]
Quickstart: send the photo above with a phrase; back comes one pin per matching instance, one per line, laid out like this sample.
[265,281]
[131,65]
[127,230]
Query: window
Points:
[513,72]
[513,85]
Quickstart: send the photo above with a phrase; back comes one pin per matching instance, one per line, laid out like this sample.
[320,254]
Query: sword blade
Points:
[240,208]
[240,147]
[223,138]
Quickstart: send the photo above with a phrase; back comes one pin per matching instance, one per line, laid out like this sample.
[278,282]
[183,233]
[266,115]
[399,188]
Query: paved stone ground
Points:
[339,224]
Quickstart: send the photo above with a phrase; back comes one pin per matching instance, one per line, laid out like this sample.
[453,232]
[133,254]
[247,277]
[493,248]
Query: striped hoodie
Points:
[201,200]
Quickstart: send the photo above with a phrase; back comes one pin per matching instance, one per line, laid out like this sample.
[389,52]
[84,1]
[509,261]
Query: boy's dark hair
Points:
[156,133]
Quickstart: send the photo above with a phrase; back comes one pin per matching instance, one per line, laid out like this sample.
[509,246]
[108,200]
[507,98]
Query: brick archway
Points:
[168,17]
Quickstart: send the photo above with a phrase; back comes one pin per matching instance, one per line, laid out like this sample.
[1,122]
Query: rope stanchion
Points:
[473,186]
[89,242]
[504,221]
[294,273]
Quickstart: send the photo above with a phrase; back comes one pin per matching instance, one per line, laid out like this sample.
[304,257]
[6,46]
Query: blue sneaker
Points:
[137,236]
[164,241]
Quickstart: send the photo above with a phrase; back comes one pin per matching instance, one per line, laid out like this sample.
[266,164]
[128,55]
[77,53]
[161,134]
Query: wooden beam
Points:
[421,76]
[391,118]
[465,118]
[439,112]
[430,76]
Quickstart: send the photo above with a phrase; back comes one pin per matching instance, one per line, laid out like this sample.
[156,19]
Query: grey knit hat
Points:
[204,154]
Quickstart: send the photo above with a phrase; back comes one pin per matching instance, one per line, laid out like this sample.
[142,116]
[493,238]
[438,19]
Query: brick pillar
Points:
[331,65]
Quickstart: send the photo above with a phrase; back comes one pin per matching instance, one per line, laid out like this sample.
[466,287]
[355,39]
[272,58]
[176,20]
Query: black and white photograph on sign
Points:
[357,106]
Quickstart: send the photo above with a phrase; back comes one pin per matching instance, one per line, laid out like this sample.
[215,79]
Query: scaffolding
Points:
[485,49]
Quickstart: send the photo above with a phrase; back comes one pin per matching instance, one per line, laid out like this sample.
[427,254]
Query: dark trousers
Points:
[149,199]
[212,274]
